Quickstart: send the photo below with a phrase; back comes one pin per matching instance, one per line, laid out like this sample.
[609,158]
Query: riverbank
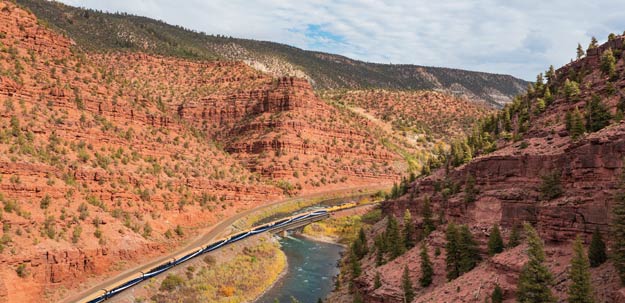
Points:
[241,272]
[312,267]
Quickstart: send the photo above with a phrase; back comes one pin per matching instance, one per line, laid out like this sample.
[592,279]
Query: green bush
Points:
[550,187]
[171,282]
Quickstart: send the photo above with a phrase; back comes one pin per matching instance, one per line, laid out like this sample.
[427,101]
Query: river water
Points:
[311,272]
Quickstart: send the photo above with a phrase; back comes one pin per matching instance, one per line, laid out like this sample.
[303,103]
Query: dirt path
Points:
[218,230]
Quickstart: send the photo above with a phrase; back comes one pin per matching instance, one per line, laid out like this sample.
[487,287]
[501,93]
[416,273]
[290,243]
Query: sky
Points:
[521,38]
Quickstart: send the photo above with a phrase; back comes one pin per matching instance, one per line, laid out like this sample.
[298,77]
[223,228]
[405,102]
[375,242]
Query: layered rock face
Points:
[110,159]
[95,173]
[508,185]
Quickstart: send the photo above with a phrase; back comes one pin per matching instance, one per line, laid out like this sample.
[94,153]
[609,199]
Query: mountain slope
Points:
[531,163]
[97,31]
[109,159]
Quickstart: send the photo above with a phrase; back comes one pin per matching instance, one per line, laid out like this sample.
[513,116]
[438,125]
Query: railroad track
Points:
[132,280]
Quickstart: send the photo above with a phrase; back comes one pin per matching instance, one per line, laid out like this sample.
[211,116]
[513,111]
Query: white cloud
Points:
[520,38]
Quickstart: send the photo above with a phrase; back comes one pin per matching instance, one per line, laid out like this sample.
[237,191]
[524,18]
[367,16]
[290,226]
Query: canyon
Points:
[506,187]
[108,159]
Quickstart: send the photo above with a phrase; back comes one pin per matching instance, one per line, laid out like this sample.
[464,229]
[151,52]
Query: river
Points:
[311,272]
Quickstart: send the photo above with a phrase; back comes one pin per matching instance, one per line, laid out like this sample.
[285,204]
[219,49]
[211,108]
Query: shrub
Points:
[45,202]
[171,282]
[21,271]
[551,187]
[226,291]
[571,90]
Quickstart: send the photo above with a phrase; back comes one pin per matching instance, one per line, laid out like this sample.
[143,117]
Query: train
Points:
[136,278]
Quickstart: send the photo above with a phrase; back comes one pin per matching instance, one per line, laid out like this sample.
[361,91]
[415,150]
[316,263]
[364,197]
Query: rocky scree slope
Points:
[98,31]
[543,170]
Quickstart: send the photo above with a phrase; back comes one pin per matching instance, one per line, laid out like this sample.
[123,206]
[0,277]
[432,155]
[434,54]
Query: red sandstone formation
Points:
[103,157]
[508,181]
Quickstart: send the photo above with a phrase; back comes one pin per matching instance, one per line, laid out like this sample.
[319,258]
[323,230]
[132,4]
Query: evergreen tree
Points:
[426,267]
[551,74]
[593,43]
[551,187]
[394,239]
[469,252]
[359,246]
[580,290]
[452,257]
[608,63]
[539,85]
[470,192]
[580,51]
[597,115]
[428,222]
[535,279]
[618,230]
[515,236]
[571,90]
[596,252]
[568,120]
[495,242]
[407,286]
[379,258]
[355,263]
[409,230]
[548,96]
[577,127]
[378,281]
[540,105]
[497,295]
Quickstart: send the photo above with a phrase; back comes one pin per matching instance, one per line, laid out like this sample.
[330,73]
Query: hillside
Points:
[101,32]
[107,160]
[553,158]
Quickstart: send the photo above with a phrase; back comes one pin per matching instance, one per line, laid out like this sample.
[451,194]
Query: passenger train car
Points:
[182,257]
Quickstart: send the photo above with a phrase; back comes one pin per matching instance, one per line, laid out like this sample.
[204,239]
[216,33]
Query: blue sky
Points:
[521,38]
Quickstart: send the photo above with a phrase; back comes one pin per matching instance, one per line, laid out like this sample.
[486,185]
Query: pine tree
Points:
[571,90]
[577,127]
[580,290]
[597,115]
[409,230]
[608,62]
[596,252]
[568,120]
[426,267]
[394,239]
[355,263]
[470,192]
[618,230]
[548,96]
[539,85]
[535,279]
[497,295]
[360,244]
[515,237]
[580,51]
[407,286]
[551,74]
[428,223]
[379,258]
[593,43]
[452,257]
[495,242]
[469,252]
[540,105]
[377,282]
